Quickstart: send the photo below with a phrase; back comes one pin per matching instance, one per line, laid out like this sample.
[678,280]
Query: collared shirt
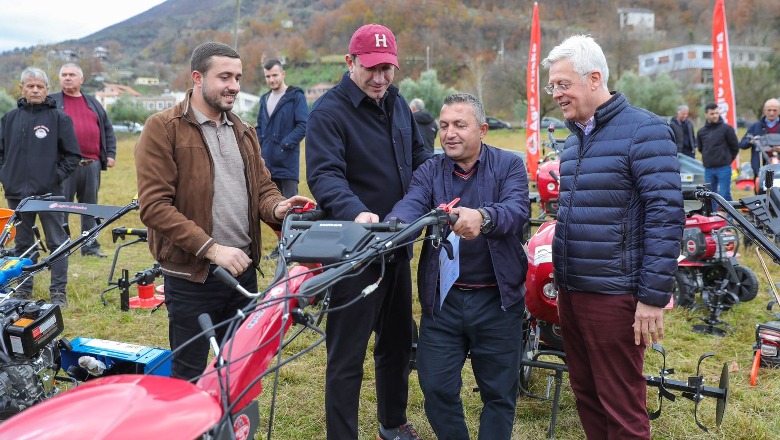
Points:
[589,125]
[772,123]
[229,211]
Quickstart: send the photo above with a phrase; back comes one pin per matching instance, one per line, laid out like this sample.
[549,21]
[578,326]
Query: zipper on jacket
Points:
[580,153]
[623,248]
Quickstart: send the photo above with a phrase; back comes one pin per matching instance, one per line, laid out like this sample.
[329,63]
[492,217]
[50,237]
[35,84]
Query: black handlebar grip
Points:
[309,216]
[689,194]
[55,198]
[453,218]
[204,320]
[225,277]
[769,178]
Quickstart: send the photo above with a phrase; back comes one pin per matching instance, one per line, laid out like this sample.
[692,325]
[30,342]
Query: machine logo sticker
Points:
[241,427]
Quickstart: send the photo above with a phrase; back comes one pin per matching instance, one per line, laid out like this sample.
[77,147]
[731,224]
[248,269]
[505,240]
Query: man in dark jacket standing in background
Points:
[620,219]
[281,126]
[425,122]
[96,142]
[768,124]
[683,132]
[719,146]
[38,151]
[481,310]
[363,146]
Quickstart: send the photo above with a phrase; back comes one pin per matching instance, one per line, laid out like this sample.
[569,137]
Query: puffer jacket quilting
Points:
[625,176]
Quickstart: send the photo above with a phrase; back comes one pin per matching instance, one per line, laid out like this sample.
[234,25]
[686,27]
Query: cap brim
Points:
[372,59]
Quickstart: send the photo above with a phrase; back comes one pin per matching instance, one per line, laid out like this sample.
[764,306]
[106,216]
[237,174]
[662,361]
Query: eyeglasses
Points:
[561,87]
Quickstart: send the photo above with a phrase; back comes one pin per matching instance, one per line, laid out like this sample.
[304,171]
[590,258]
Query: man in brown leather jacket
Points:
[203,190]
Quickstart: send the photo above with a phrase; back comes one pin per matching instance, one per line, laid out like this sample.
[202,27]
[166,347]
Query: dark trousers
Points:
[83,184]
[54,235]
[471,322]
[387,312]
[605,367]
[288,187]
[185,301]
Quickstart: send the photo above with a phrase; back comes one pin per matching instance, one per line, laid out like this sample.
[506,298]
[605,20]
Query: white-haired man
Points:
[616,243]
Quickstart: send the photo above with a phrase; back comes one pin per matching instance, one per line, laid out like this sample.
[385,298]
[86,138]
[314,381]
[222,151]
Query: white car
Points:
[128,127]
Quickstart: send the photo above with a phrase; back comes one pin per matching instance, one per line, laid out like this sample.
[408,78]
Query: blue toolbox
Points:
[118,357]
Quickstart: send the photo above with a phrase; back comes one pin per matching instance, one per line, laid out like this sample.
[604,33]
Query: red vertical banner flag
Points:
[723,85]
[532,96]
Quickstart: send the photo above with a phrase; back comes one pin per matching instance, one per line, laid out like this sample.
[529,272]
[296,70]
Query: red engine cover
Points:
[126,406]
[540,272]
[547,186]
[706,224]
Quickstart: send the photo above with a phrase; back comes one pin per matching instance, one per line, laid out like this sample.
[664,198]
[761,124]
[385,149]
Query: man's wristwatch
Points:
[487,223]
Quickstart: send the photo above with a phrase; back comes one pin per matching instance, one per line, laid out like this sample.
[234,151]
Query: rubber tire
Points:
[748,288]
[528,340]
[683,291]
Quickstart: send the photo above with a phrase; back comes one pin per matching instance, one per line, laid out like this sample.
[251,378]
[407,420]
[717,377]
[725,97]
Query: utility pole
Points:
[427,58]
[238,18]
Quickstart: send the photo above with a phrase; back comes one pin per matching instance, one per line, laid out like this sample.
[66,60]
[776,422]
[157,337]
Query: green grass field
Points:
[752,413]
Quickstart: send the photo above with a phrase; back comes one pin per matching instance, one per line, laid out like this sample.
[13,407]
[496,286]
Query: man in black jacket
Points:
[362,147]
[38,151]
[719,146]
[683,132]
[425,122]
[97,142]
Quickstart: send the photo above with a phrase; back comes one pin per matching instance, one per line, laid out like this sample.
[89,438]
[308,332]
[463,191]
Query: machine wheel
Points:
[528,347]
[748,283]
[684,290]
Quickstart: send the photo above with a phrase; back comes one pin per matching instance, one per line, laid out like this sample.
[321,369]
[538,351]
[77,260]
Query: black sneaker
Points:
[403,432]
[95,253]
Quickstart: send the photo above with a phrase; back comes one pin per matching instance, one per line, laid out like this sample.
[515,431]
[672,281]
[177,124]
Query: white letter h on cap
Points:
[381,39]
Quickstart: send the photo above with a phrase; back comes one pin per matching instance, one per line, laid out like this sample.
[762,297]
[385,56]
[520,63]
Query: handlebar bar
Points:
[68,247]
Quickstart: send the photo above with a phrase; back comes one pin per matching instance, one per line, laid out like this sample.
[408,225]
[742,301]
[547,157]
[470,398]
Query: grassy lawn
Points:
[752,413]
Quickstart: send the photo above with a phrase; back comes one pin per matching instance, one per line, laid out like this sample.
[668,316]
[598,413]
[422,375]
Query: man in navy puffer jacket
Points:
[620,221]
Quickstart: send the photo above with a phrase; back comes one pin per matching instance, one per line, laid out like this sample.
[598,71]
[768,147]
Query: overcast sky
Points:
[26,23]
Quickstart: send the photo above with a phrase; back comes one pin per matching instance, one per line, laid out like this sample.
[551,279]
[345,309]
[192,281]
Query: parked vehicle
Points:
[495,123]
[128,127]
[557,123]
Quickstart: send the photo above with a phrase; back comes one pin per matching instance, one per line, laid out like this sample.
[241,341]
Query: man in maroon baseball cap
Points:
[362,146]
[372,59]
[374,44]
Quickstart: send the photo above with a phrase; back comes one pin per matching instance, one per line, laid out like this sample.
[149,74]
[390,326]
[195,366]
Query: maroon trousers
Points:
[605,367]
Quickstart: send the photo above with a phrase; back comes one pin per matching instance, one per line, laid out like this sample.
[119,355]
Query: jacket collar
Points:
[47,102]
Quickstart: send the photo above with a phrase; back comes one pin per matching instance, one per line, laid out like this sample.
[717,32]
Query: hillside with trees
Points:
[478,46]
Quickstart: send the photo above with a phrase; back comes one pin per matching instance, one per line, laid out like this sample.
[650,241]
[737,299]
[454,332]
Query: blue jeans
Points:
[719,179]
[471,322]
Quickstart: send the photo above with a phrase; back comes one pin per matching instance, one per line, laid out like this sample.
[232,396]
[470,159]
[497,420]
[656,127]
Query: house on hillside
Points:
[315,91]
[147,81]
[692,64]
[100,53]
[157,103]
[112,92]
[637,22]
